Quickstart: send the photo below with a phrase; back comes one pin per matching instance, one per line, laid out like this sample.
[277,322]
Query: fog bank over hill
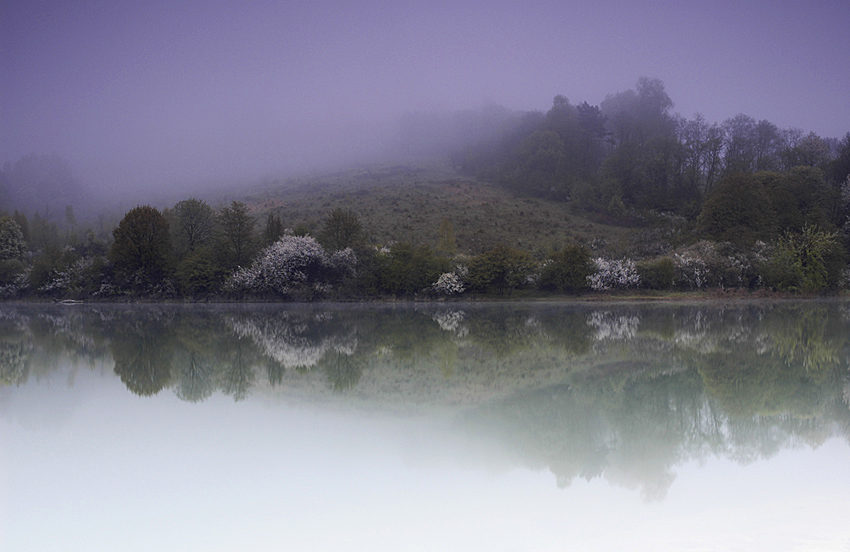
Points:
[155,96]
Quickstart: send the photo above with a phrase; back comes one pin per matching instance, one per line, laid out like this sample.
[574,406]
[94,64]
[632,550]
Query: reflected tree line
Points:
[624,392]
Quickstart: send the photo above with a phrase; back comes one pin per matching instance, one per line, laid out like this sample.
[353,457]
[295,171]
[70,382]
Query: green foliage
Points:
[24,223]
[808,261]
[12,245]
[10,269]
[737,209]
[409,269]
[199,274]
[503,268]
[141,251]
[341,229]
[746,207]
[273,230]
[539,165]
[236,240]
[567,270]
[659,273]
[193,226]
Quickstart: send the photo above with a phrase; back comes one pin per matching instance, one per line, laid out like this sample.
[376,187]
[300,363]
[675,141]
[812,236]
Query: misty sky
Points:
[159,92]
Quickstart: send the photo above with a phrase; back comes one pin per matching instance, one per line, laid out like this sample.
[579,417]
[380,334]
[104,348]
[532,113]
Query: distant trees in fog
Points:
[631,152]
[736,204]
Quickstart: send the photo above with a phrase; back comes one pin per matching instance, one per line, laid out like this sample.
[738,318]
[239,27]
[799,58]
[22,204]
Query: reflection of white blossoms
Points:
[451,321]
[290,343]
[14,357]
[846,394]
[609,325]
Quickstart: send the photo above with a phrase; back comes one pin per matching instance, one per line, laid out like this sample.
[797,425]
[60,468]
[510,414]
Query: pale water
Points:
[504,427]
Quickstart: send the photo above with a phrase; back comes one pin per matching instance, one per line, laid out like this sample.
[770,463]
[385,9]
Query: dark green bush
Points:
[659,273]
[503,268]
[567,270]
[409,269]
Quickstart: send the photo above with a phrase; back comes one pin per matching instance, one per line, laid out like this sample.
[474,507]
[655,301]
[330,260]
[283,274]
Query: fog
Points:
[153,97]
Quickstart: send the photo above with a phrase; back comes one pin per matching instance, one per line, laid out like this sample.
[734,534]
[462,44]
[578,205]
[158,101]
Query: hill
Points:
[407,203]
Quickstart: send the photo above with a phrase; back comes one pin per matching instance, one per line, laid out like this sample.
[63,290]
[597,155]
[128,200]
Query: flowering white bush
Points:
[344,261]
[613,274]
[448,283]
[69,279]
[20,283]
[292,263]
[691,271]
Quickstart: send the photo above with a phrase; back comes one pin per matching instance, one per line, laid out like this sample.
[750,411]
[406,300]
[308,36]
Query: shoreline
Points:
[626,296]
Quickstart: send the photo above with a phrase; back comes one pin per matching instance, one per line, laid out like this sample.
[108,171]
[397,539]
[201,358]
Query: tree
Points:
[341,229]
[540,161]
[273,230]
[839,169]
[237,235]
[502,267]
[194,226]
[645,162]
[740,144]
[593,136]
[567,270]
[809,260]
[738,209]
[12,250]
[142,251]
[767,140]
[702,146]
[12,246]
[409,269]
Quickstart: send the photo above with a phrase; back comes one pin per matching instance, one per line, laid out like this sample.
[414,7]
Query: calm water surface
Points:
[431,427]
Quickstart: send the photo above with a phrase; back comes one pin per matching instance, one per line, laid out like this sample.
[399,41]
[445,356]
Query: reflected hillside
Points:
[623,392]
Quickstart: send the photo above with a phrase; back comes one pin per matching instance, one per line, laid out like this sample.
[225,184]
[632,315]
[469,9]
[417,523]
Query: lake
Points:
[425,427]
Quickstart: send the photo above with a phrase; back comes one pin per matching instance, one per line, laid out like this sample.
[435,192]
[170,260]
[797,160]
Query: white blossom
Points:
[448,283]
[292,263]
[613,274]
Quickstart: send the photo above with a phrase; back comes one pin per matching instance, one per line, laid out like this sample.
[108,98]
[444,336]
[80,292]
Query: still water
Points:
[506,427]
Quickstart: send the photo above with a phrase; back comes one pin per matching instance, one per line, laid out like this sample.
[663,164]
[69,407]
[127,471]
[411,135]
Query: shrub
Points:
[12,244]
[810,261]
[449,283]
[199,273]
[567,270]
[502,267]
[291,264]
[407,269]
[613,274]
[705,264]
[657,273]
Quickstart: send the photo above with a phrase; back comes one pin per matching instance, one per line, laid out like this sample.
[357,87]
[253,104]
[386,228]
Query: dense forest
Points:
[738,204]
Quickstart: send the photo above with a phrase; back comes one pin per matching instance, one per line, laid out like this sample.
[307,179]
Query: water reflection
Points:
[620,392]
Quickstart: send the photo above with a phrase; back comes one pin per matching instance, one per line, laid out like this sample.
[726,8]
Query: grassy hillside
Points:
[407,204]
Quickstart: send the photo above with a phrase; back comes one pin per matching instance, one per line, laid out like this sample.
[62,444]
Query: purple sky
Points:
[155,93]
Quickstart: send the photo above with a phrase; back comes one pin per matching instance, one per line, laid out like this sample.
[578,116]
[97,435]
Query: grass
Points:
[407,203]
